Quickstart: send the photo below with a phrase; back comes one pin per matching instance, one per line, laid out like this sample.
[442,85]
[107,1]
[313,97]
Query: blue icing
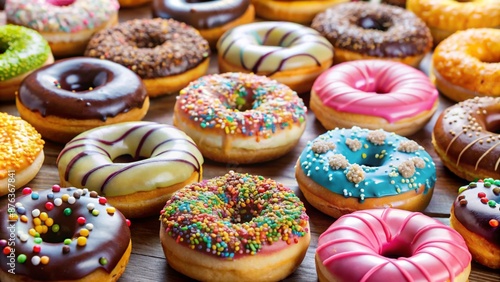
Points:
[378,162]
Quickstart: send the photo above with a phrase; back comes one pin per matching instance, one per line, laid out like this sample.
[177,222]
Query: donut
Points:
[399,3]
[210,18]
[74,95]
[475,214]
[374,94]
[465,65]
[362,30]
[391,245]
[240,118]
[66,24]
[287,52]
[446,17]
[466,140]
[22,51]
[159,159]
[345,170]
[299,11]
[236,227]
[21,153]
[133,3]
[62,234]
[155,49]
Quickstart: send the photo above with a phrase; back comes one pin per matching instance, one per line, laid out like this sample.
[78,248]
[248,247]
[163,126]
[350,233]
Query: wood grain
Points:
[147,262]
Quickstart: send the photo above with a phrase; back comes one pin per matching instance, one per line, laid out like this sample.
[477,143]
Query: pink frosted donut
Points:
[374,94]
[391,245]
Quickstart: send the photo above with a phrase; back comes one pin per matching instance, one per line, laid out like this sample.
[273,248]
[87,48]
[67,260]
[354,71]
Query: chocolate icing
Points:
[201,14]
[109,238]
[102,89]
[474,214]
[405,34]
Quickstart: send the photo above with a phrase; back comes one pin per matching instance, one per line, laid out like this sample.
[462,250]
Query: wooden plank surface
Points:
[147,262]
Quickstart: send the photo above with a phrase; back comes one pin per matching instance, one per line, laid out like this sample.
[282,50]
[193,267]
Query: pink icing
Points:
[417,248]
[385,89]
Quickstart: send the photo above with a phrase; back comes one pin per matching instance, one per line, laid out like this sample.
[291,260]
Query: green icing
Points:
[379,162]
[23,49]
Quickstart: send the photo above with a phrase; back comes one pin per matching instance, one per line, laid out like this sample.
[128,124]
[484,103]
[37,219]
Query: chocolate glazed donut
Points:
[82,88]
[209,13]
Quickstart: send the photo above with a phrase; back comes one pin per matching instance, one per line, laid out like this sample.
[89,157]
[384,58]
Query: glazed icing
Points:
[364,163]
[201,14]
[477,207]
[163,156]
[62,228]
[385,89]
[392,245]
[23,50]
[44,16]
[82,88]
[269,47]
[241,104]
[235,215]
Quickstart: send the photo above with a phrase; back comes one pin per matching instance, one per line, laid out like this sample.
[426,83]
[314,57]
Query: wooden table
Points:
[148,263]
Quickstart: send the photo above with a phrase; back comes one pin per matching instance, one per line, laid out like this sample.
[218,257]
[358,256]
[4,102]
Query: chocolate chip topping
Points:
[375,30]
[151,47]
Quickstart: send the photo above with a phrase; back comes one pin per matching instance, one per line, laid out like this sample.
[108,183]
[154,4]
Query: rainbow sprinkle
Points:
[238,103]
[235,214]
[43,16]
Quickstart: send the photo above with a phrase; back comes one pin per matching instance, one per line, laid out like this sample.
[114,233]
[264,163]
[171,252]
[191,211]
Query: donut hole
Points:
[60,3]
[492,121]
[127,158]
[198,1]
[150,40]
[382,23]
[395,251]
[243,101]
[63,233]
[77,82]
[372,161]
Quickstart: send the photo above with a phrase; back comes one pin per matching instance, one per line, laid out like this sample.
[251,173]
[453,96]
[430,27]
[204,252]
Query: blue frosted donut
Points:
[345,170]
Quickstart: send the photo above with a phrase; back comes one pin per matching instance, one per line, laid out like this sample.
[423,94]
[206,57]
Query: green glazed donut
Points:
[22,50]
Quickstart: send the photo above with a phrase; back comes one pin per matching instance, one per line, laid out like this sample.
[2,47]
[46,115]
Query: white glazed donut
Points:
[164,160]
[287,52]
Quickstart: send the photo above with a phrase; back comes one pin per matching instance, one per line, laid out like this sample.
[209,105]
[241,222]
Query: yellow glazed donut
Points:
[164,160]
[299,11]
[289,53]
[467,64]
[240,118]
[21,153]
[444,17]
[66,24]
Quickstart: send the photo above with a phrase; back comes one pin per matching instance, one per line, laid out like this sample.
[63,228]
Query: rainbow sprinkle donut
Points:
[240,118]
[62,234]
[62,22]
[235,227]
[344,170]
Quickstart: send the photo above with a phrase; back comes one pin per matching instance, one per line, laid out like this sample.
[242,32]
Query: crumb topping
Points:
[338,161]
[408,146]
[353,144]
[377,137]
[355,173]
[407,168]
[322,146]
